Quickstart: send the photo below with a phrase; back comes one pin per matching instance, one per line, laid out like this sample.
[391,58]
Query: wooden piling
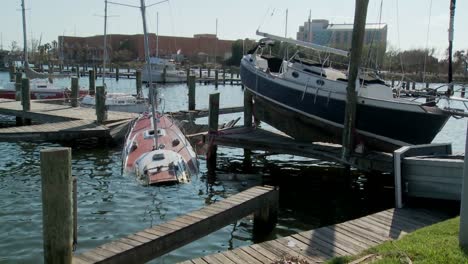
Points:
[200,70]
[209,71]
[19,76]
[266,218]
[427,85]
[100,99]
[164,75]
[216,78]
[224,76]
[25,99]
[117,73]
[57,205]
[188,73]
[213,120]
[248,107]
[92,84]
[138,84]
[357,41]
[75,212]
[407,85]
[413,87]
[74,91]
[191,92]
[12,71]
[232,74]
[95,72]
[393,83]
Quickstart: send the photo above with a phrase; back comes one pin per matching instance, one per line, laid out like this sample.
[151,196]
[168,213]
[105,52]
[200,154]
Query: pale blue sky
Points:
[236,18]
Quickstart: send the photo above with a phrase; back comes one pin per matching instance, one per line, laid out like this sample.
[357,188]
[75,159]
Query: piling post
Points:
[393,83]
[117,73]
[92,84]
[266,218]
[164,75]
[191,92]
[200,70]
[95,72]
[232,74]
[188,73]
[355,60]
[427,85]
[248,107]
[57,205]
[408,85]
[138,84]
[100,105]
[213,115]
[25,99]
[209,72]
[78,71]
[463,235]
[216,78]
[19,76]
[12,71]
[237,71]
[224,76]
[74,91]
[413,87]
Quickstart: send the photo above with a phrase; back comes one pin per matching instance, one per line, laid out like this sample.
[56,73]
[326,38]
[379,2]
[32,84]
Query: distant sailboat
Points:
[40,88]
[116,101]
[161,70]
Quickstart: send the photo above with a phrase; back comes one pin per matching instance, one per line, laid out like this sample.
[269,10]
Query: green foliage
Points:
[238,47]
[433,244]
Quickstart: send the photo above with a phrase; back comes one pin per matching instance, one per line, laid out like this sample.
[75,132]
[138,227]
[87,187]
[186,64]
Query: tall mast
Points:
[25,46]
[157,34]
[216,42]
[105,46]
[286,25]
[450,37]
[152,89]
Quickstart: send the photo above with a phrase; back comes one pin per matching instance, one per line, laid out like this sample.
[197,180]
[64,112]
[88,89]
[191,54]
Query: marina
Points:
[328,144]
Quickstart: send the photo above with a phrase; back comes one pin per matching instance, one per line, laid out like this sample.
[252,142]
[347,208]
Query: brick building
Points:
[201,47]
[320,31]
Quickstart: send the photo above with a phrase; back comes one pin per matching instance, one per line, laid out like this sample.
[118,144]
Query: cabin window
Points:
[295,74]
[320,82]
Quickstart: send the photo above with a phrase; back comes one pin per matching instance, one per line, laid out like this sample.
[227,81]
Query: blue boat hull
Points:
[318,118]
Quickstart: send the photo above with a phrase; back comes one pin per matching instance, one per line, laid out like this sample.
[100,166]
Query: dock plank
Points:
[162,238]
[351,237]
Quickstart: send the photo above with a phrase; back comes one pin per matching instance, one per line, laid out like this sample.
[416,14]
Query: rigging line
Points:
[264,17]
[369,52]
[427,41]
[399,43]
[172,27]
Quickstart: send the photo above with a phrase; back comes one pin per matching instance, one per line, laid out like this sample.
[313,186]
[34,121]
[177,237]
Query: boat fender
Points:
[175,142]
[134,146]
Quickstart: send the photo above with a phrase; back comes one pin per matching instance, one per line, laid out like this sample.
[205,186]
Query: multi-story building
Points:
[320,31]
[131,47]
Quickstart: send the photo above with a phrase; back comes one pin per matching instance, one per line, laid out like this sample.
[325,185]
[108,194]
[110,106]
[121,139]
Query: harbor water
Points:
[112,205]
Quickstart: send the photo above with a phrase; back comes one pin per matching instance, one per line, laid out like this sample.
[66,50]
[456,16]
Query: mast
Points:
[286,25]
[105,45]
[152,89]
[216,42]
[450,38]
[157,34]
[25,46]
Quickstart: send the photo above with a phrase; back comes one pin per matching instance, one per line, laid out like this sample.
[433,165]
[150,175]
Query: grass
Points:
[433,244]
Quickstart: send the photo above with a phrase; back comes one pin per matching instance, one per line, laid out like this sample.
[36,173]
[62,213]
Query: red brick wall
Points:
[168,45]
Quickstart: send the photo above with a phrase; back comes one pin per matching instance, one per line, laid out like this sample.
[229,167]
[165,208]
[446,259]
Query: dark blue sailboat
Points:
[306,100]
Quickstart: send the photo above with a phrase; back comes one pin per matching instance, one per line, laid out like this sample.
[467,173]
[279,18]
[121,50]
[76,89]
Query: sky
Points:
[411,23]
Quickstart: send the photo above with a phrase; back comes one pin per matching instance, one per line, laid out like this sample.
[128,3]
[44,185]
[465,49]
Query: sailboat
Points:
[155,148]
[116,101]
[40,86]
[161,70]
[306,100]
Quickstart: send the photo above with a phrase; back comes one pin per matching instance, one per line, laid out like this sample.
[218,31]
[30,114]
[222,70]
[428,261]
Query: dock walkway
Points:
[153,242]
[318,245]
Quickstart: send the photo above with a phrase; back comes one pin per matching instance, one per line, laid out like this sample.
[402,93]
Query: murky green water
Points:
[112,205]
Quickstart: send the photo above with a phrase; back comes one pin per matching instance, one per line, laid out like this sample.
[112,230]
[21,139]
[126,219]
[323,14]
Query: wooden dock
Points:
[274,142]
[153,242]
[62,122]
[344,239]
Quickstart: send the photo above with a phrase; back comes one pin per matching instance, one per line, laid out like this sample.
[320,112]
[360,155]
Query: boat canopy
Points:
[305,44]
